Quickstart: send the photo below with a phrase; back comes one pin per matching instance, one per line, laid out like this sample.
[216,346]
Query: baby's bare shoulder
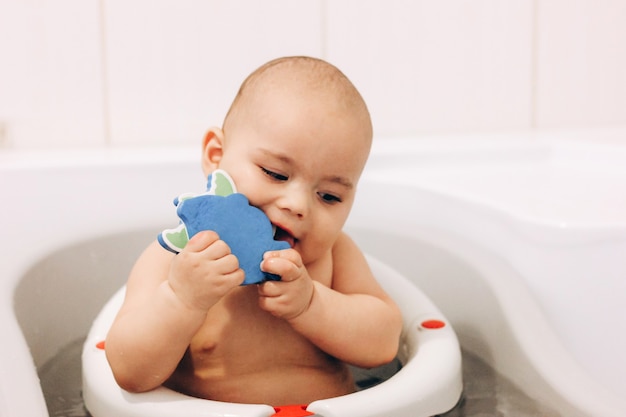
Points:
[351,272]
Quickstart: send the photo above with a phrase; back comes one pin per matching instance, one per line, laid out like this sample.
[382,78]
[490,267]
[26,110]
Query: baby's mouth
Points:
[283,235]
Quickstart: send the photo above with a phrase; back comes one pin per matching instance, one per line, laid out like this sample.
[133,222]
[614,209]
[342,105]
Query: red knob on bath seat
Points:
[433,324]
[292,411]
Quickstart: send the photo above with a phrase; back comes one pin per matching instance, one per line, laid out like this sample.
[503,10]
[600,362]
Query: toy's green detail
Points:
[177,237]
[223,184]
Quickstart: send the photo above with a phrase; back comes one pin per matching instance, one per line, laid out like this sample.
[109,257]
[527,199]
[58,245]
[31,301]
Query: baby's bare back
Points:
[244,354]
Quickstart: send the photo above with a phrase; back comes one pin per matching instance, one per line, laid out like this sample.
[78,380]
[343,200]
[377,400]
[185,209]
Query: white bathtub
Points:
[519,239]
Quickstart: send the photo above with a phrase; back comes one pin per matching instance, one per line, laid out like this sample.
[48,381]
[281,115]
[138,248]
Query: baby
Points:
[295,142]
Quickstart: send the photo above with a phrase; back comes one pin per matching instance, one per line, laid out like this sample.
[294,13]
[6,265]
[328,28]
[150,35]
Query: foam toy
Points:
[246,229]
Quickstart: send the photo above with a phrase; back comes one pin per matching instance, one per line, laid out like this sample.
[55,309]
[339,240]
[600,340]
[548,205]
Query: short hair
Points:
[316,74]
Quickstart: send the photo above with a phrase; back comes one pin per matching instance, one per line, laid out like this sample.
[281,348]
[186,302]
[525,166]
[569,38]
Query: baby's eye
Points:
[329,198]
[274,175]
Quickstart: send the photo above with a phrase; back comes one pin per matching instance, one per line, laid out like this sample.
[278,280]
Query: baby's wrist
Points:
[307,306]
[179,303]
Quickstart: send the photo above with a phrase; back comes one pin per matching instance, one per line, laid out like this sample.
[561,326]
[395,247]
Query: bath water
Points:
[486,393]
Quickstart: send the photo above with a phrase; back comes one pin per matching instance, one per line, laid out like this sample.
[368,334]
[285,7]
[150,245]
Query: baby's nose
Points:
[296,201]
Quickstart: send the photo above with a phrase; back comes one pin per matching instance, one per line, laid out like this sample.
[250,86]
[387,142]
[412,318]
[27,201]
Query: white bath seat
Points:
[429,382]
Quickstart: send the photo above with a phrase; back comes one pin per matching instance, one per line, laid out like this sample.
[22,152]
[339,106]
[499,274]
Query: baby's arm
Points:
[354,321]
[167,299]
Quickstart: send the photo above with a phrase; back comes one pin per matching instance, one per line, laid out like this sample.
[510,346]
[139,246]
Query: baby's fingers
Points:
[201,240]
[226,264]
[288,254]
[283,267]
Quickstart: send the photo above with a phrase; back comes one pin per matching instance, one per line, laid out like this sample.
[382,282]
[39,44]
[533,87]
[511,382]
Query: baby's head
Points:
[295,141]
[304,81]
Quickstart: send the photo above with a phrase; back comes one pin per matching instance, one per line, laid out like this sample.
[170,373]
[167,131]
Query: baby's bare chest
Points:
[238,335]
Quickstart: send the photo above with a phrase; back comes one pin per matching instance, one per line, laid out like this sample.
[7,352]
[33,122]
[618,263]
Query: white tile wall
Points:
[175,66]
[581,63]
[149,72]
[437,65]
[50,73]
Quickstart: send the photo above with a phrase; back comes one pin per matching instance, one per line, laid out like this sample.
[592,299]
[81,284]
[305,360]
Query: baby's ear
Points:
[212,150]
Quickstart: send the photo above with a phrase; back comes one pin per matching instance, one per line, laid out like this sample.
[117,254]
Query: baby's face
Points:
[300,164]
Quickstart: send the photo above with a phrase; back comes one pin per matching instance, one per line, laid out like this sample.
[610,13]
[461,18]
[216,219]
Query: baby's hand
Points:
[291,296]
[204,271]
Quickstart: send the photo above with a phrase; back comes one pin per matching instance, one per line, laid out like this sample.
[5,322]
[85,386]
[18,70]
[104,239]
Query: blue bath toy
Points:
[245,228]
